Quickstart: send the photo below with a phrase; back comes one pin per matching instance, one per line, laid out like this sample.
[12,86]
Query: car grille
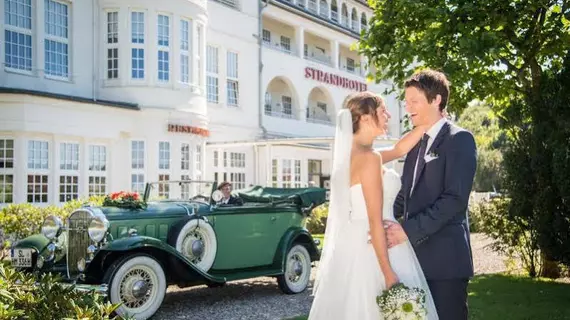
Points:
[77,240]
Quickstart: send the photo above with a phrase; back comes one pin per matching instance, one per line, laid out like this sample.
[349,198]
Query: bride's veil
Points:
[339,205]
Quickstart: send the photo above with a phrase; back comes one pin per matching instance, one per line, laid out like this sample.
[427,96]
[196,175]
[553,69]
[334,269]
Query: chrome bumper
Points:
[100,289]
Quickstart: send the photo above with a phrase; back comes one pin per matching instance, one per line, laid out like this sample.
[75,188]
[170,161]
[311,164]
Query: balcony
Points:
[327,11]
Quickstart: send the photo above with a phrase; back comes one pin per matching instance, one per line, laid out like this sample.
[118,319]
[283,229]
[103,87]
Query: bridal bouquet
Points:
[401,302]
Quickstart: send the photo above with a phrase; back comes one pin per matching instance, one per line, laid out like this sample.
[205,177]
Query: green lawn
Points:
[503,297]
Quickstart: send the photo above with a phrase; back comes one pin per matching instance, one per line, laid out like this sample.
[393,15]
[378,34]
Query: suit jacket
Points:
[434,216]
[234,200]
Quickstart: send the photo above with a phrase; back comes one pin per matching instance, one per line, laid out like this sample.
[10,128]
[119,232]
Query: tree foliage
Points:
[491,50]
[490,140]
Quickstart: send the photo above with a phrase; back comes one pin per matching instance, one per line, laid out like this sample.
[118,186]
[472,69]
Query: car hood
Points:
[154,210]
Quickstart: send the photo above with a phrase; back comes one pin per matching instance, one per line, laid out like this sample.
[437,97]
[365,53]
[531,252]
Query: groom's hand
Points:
[394,233]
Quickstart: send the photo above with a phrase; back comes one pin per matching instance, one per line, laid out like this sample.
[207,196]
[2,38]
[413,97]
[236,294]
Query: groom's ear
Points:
[437,101]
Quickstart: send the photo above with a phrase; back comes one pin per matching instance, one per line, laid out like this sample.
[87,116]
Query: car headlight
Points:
[98,228]
[51,228]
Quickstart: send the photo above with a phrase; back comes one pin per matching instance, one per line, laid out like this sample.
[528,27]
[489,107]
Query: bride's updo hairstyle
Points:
[363,103]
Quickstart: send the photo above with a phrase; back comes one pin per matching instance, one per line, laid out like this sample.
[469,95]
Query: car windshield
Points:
[180,190]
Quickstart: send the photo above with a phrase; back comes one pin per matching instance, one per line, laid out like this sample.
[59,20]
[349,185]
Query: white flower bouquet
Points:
[403,303]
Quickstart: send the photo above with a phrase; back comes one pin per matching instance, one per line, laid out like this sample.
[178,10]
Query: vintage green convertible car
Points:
[132,254]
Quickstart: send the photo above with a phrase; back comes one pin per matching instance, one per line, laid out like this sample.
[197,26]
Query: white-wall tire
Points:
[125,286]
[194,234]
[297,273]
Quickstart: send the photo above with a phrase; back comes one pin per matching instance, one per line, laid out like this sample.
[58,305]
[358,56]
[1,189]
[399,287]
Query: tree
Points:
[490,140]
[499,52]
[492,50]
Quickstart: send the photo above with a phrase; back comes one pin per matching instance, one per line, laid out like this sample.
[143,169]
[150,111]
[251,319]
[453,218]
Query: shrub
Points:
[49,299]
[317,222]
[18,221]
[513,236]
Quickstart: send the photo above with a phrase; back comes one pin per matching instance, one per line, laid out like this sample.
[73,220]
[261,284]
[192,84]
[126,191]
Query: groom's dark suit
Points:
[434,215]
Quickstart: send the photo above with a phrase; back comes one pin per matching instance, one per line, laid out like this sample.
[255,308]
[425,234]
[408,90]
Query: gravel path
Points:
[261,299]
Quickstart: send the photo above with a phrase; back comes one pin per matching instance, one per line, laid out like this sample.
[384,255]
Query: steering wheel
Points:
[197,197]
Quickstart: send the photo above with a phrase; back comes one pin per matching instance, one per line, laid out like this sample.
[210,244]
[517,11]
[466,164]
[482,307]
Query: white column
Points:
[124,50]
[300,40]
[335,51]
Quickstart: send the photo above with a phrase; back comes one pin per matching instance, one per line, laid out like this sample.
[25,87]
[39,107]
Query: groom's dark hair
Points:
[431,83]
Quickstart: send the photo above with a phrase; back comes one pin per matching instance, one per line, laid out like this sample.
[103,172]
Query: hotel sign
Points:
[188,129]
[334,79]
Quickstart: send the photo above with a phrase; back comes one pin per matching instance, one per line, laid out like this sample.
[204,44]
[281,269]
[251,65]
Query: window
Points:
[323,9]
[212,73]
[297,173]
[185,187]
[334,11]
[112,45]
[137,42]
[38,155]
[57,39]
[6,170]
[137,154]
[216,158]
[164,155]
[69,167]
[185,156]
[286,43]
[137,183]
[237,179]
[198,157]
[185,49]
[350,64]
[163,186]
[287,105]
[97,170]
[232,81]
[137,166]
[286,173]
[69,156]
[266,36]
[18,34]
[38,171]
[163,48]
[312,6]
[237,160]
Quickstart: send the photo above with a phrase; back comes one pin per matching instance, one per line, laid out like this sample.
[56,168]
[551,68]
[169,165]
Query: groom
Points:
[432,203]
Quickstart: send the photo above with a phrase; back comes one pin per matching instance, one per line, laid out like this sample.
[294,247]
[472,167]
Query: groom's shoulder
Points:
[460,135]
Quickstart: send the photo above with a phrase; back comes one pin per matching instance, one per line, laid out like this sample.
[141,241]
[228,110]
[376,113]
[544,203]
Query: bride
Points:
[355,264]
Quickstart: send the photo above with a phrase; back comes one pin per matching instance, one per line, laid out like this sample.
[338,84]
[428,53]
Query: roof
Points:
[108,103]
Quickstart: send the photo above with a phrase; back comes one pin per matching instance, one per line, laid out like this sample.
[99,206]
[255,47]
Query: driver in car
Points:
[228,198]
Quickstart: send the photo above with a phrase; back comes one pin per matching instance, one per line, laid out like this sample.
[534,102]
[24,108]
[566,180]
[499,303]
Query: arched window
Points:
[354,20]
[363,22]
[324,9]
[334,11]
[344,15]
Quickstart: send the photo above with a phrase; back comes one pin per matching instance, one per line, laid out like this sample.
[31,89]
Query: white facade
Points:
[103,96]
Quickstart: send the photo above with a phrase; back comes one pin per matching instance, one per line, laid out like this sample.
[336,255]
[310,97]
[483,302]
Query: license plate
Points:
[22,258]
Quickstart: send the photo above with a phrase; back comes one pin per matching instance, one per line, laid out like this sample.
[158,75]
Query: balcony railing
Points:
[280,47]
[318,115]
[280,111]
[318,57]
[230,3]
[313,9]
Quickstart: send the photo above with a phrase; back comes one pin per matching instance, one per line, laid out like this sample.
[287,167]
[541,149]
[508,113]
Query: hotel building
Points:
[106,95]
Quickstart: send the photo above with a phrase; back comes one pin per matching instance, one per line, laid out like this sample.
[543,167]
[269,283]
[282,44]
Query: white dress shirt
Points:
[432,133]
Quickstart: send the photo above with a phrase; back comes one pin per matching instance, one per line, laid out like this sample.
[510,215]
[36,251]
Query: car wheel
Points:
[137,283]
[197,242]
[297,273]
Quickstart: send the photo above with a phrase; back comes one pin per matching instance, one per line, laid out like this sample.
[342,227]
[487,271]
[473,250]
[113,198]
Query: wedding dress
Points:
[350,278]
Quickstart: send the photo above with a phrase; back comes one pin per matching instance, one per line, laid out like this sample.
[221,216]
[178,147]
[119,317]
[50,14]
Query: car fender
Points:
[149,245]
[295,235]
[37,241]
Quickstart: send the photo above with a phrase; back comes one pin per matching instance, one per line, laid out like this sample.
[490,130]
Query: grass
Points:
[502,297]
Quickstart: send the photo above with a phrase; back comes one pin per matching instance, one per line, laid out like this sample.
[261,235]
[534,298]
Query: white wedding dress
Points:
[349,286]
